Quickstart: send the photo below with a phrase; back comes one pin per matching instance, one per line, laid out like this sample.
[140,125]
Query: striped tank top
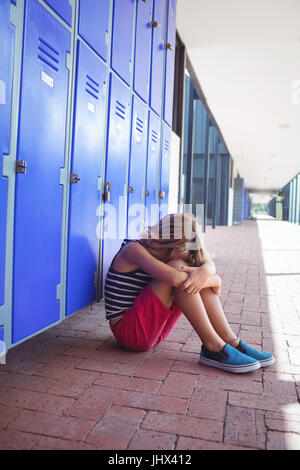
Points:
[121,289]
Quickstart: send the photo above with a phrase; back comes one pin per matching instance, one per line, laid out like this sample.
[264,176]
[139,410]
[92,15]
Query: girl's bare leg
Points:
[217,316]
[192,307]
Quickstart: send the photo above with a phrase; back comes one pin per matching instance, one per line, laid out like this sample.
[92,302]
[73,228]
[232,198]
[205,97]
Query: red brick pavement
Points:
[73,387]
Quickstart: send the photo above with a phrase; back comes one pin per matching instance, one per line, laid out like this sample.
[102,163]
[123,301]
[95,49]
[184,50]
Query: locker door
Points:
[157,61]
[62,8]
[152,169]
[116,170]
[122,38]
[83,246]
[170,62]
[137,168]
[38,203]
[93,24]
[143,49]
[165,171]
[6,74]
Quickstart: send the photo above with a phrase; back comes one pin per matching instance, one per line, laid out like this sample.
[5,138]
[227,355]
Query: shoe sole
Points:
[239,369]
[267,362]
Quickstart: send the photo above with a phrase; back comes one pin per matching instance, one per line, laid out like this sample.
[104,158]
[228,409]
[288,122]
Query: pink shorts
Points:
[146,323]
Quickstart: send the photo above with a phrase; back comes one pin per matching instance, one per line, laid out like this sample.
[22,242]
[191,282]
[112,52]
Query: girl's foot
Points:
[229,359]
[265,359]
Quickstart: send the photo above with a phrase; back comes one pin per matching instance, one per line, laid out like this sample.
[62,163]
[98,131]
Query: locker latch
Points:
[107,189]
[130,189]
[74,178]
[21,166]
[147,193]
[170,47]
[155,24]
[162,194]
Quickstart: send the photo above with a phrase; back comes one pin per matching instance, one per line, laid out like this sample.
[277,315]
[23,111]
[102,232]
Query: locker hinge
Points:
[68,61]
[58,292]
[21,167]
[13,14]
[62,177]
[155,24]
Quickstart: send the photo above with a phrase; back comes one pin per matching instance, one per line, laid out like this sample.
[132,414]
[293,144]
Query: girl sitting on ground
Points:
[168,272]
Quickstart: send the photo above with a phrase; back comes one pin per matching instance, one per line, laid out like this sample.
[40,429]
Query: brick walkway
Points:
[72,387]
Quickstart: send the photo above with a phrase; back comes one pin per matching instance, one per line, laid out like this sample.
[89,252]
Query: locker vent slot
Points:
[120,110]
[139,125]
[92,87]
[48,55]
[154,136]
[167,146]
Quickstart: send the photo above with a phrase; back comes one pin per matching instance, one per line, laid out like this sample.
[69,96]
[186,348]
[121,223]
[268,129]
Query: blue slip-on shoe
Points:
[265,359]
[229,359]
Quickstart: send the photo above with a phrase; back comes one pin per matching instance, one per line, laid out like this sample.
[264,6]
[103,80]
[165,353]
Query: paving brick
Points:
[149,440]
[184,426]
[245,427]
[259,402]
[188,443]
[14,440]
[93,402]
[7,414]
[51,443]
[178,385]
[29,382]
[149,401]
[208,405]
[283,441]
[64,427]
[35,400]
[114,430]
[128,383]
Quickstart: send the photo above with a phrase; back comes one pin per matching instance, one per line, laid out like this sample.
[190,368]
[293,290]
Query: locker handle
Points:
[21,167]
[170,47]
[162,194]
[147,192]
[130,189]
[74,178]
[106,194]
[155,24]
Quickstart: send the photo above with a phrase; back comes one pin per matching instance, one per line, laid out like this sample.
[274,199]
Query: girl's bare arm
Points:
[136,254]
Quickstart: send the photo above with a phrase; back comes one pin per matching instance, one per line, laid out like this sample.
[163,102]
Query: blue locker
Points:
[116,169]
[88,141]
[137,171]
[143,49]
[157,60]
[38,200]
[93,24]
[170,62]
[122,38]
[6,76]
[152,169]
[165,171]
[62,8]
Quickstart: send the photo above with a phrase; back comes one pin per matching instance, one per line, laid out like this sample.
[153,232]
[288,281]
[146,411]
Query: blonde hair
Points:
[176,236]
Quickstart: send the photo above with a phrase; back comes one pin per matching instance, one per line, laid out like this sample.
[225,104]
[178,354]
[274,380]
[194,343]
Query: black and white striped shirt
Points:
[121,289]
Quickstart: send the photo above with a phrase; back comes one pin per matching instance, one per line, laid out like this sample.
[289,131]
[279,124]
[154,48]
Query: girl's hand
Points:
[196,281]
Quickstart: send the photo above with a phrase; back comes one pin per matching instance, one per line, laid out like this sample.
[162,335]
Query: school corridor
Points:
[73,387]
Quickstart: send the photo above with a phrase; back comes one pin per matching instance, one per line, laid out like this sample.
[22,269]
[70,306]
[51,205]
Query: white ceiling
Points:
[246,54]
